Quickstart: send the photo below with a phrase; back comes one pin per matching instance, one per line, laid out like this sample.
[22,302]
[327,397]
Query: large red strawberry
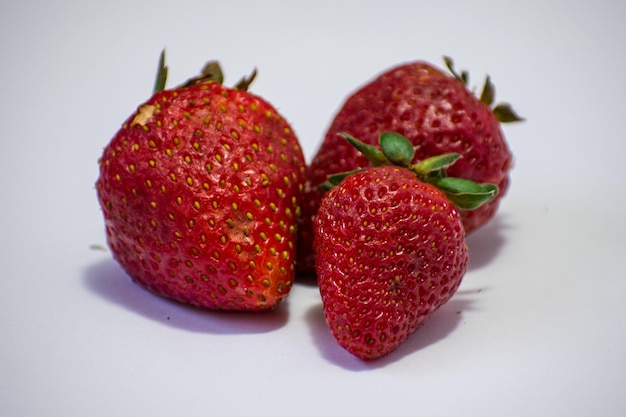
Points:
[200,192]
[437,113]
[390,246]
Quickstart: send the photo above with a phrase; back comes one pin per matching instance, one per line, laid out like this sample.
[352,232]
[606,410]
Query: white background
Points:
[538,326]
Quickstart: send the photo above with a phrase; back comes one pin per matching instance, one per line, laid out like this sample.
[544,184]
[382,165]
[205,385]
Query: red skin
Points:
[436,113]
[200,191]
[390,251]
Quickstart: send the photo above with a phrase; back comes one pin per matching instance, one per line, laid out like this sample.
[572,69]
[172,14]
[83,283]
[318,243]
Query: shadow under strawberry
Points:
[108,281]
[485,244]
[436,328]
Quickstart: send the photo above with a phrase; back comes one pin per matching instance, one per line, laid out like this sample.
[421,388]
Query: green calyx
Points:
[397,150]
[211,72]
[503,112]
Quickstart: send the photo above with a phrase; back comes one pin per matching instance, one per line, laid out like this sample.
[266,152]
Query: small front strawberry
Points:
[200,191]
[390,245]
[437,113]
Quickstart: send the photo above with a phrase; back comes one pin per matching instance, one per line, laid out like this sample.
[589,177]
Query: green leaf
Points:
[212,71]
[505,113]
[333,180]
[435,163]
[245,82]
[466,194]
[398,149]
[462,77]
[161,77]
[489,92]
[373,154]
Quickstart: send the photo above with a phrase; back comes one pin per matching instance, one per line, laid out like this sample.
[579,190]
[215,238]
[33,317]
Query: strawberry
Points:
[200,191]
[390,245]
[437,113]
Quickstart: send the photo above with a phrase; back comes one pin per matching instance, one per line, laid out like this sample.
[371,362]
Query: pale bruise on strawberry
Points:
[200,194]
[390,245]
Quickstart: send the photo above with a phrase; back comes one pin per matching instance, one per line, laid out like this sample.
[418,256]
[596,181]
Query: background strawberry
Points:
[391,248]
[200,191]
[437,113]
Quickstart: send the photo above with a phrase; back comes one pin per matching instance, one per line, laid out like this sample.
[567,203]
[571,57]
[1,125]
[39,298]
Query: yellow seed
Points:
[189,181]
[196,205]
[266,282]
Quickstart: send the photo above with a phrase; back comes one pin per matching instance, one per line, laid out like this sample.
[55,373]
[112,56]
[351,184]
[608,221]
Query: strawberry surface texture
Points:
[200,191]
[390,251]
[438,114]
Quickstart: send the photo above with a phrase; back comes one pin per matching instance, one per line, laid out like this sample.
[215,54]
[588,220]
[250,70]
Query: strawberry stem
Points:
[397,150]
[503,112]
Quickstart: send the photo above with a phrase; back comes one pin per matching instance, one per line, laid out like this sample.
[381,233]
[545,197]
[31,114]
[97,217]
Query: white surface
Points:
[538,326]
